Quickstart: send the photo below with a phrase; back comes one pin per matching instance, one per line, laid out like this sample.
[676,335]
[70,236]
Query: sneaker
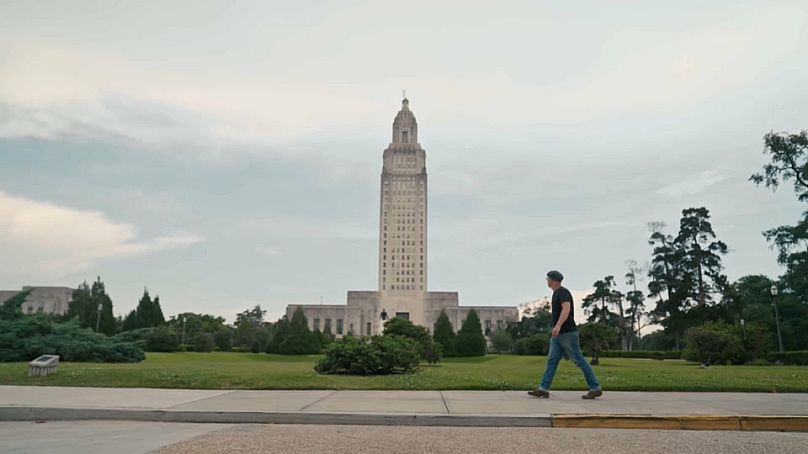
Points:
[592,394]
[540,394]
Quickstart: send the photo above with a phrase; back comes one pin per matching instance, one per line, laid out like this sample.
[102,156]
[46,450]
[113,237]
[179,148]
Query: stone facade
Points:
[47,300]
[402,280]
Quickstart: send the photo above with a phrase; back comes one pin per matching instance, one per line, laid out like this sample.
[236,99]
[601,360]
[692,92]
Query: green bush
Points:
[713,344]
[795,358]
[536,344]
[379,355]
[223,338]
[501,341]
[649,354]
[204,343]
[137,336]
[255,347]
[428,349]
[163,339]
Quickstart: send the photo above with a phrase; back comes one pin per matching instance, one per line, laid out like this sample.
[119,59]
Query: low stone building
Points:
[46,300]
[402,278]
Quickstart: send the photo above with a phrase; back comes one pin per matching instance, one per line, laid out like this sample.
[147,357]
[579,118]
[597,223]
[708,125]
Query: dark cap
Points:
[555,275]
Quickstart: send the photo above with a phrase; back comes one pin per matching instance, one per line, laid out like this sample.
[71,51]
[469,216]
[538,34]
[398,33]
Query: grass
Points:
[492,372]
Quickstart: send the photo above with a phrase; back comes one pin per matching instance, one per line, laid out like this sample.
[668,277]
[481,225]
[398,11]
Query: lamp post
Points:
[774,291]
[183,329]
[98,317]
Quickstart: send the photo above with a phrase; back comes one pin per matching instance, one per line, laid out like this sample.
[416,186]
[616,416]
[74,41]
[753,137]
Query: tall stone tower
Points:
[402,290]
[403,218]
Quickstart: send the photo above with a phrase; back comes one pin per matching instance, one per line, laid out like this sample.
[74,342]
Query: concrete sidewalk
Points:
[732,411]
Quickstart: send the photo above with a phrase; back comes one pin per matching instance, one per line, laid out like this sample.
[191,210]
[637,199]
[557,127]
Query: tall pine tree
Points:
[444,334]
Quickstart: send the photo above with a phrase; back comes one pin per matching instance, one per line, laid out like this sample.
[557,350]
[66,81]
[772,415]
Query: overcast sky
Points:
[227,154]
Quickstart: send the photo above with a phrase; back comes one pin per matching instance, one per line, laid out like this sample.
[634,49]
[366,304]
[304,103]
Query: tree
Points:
[223,338]
[298,339]
[789,164]
[606,295]
[595,337]
[147,314]
[248,325]
[204,343]
[470,339]
[536,319]
[636,301]
[84,307]
[444,334]
[701,255]
[685,272]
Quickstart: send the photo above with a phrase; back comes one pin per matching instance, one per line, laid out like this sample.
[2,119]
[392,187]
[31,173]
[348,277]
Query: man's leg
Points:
[553,358]
[571,345]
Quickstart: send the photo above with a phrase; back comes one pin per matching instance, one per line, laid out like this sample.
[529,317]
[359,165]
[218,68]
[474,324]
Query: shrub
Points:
[536,344]
[255,347]
[796,358]
[26,338]
[379,355]
[649,354]
[501,341]
[204,343]
[223,338]
[470,340]
[162,339]
[713,344]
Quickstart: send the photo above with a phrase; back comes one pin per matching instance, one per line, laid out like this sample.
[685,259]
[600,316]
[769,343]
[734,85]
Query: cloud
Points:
[41,237]
[268,251]
[693,185]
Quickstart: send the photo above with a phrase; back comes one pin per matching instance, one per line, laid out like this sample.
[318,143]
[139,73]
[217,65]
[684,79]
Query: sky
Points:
[226,153]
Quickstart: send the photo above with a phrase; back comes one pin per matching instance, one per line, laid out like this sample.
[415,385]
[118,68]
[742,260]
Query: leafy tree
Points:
[595,337]
[501,341]
[536,319]
[789,164]
[470,339]
[280,331]
[444,334]
[223,338]
[11,308]
[249,325]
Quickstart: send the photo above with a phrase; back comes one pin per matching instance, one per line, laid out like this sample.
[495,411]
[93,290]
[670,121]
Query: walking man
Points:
[564,342]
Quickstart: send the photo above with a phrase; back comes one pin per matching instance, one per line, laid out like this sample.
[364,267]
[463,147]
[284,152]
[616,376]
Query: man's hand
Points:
[556,331]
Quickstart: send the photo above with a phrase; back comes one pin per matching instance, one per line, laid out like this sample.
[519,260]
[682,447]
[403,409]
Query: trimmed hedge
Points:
[793,358]
[536,344]
[649,354]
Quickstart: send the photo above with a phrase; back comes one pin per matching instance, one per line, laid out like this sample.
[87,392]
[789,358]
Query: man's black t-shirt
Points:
[563,295]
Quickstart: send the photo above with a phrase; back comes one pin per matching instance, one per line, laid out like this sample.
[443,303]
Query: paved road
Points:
[96,437]
[387,440]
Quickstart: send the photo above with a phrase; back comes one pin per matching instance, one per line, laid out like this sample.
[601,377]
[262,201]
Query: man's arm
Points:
[565,312]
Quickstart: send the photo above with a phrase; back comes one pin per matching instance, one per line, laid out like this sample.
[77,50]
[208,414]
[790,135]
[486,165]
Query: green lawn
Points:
[493,372]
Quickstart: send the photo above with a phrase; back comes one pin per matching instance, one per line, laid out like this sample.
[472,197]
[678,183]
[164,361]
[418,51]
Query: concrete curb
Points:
[684,422]
[688,422]
[247,417]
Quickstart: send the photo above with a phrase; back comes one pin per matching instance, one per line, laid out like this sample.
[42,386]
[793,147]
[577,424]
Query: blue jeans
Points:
[566,344]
